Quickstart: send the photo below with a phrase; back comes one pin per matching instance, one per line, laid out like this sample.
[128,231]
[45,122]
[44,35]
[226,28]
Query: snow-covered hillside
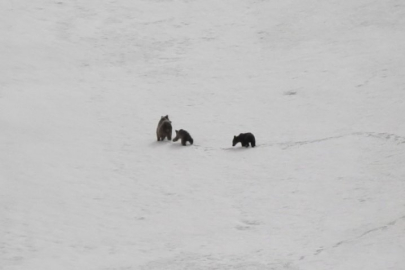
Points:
[85,185]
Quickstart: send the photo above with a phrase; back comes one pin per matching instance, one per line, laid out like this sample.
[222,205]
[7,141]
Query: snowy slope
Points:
[85,185]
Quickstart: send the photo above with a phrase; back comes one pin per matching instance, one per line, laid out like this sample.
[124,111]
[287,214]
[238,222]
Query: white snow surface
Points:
[85,185]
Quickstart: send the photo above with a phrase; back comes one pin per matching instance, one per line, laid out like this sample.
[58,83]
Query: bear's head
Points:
[235,140]
[177,136]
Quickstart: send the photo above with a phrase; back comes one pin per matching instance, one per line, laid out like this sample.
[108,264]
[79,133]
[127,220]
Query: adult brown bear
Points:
[164,129]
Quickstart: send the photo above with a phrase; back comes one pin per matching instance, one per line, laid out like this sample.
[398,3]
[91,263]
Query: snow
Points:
[85,185]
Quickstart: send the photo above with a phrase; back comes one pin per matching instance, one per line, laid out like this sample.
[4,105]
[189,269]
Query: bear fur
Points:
[244,139]
[164,129]
[184,136]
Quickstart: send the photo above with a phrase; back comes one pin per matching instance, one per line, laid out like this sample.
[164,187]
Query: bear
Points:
[244,139]
[184,136]
[164,129]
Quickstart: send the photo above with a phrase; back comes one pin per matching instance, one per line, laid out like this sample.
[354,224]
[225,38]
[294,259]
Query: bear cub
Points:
[244,139]
[164,129]
[184,136]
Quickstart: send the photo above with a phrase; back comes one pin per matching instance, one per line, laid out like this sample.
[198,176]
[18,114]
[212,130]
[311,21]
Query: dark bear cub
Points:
[244,139]
[164,129]
[184,136]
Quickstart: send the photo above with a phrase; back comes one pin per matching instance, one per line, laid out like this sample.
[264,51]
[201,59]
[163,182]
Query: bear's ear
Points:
[167,116]
[234,137]
[177,131]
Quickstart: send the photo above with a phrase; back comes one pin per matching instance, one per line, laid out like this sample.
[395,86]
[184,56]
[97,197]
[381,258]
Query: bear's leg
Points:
[183,142]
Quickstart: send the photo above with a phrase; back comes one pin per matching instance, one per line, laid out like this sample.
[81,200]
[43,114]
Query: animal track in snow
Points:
[246,224]
[342,242]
